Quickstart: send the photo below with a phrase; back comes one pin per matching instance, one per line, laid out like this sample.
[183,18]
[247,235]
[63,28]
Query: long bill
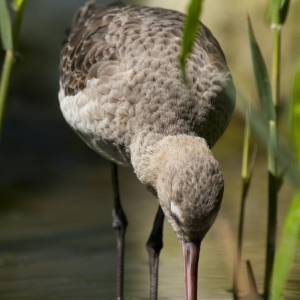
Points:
[190,251]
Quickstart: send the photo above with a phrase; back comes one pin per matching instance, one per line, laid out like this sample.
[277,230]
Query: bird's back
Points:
[120,77]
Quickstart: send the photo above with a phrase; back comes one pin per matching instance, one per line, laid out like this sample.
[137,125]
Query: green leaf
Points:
[296,112]
[284,10]
[191,27]
[277,11]
[261,77]
[261,129]
[247,167]
[17,4]
[287,248]
[246,144]
[5,26]
[251,168]
[9,56]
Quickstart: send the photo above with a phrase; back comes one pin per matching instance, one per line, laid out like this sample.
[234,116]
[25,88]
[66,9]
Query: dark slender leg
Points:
[119,225]
[154,245]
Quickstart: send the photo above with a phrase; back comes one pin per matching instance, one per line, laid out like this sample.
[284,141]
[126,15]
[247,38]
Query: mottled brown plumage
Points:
[121,90]
[130,56]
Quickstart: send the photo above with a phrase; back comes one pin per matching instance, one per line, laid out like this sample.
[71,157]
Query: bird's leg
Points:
[154,245]
[119,225]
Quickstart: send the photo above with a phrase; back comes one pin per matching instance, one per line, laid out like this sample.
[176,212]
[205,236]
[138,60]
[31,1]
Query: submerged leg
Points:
[119,225]
[154,245]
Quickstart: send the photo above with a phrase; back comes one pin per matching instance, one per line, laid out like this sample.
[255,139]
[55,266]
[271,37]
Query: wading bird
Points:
[121,91]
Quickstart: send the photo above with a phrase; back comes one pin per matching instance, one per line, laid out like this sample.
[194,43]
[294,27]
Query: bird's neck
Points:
[152,153]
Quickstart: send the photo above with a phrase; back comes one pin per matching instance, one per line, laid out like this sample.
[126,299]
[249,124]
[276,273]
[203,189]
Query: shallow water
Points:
[57,241]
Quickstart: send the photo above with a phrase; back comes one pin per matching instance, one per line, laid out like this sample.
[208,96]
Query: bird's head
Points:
[189,186]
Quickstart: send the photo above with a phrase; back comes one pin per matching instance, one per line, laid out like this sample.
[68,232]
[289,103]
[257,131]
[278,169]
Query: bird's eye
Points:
[176,218]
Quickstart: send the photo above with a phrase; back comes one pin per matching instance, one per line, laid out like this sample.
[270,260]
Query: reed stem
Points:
[272,208]
[276,66]
[10,57]
[273,162]
[244,174]
[6,72]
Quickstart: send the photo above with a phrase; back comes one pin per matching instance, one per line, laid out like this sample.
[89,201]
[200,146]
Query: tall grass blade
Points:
[9,56]
[269,111]
[260,128]
[284,10]
[296,112]
[19,6]
[277,11]
[190,29]
[291,229]
[287,248]
[261,77]
[247,171]
[5,26]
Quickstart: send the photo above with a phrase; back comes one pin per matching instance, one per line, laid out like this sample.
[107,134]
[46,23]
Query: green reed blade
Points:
[5,26]
[291,228]
[260,128]
[246,174]
[190,29]
[247,165]
[18,6]
[9,56]
[261,77]
[296,112]
[277,11]
[269,112]
[287,248]
[284,10]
